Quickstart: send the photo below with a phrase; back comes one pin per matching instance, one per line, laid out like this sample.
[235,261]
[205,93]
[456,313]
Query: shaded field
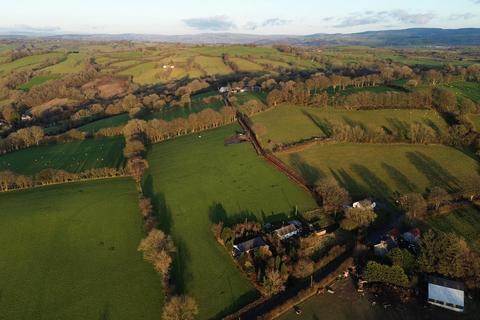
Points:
[384,170]
[290,123]
[73,156]
[36,81]
[352,90]
[109,122]
[464,222]
[196,180]
[73,255]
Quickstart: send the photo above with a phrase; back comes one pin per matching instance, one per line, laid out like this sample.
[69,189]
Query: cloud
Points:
[416,18]
[217,23]
[275,22]
[395,16]
[461,16]
[328,19]
[272,22]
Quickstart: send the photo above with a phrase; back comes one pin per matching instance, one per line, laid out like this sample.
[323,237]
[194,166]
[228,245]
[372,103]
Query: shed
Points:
[446,293]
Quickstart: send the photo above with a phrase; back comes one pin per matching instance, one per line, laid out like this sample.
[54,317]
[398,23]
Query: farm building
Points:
[288,231]
[247,246]
[445,293]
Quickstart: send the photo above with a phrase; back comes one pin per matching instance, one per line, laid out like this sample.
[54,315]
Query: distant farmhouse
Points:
[445,293]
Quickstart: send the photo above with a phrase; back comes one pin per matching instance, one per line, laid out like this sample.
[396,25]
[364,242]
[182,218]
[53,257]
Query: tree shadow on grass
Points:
[325,126]
[179,275]
[237,304]
[353,123]
[308,172]
[217,213]
[401,180]
[349,183]
[163,212]
[435,173]
[400,129]
[375,185]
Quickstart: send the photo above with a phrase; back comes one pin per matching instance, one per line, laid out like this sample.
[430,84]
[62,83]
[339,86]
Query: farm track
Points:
[270,158]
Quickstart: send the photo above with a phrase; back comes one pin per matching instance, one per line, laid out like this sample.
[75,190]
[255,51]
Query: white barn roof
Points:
[446,293]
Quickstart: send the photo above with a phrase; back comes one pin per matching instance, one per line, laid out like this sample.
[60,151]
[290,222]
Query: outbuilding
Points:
[446,293]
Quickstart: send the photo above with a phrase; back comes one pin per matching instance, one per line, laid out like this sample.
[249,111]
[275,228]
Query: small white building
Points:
[446,293]
[26,117]
[365,205]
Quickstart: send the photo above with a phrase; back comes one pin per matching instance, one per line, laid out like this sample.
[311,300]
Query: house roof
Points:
[283,231]
[250,244]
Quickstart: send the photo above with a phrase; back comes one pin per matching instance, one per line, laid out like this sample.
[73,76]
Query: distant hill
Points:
[406,37]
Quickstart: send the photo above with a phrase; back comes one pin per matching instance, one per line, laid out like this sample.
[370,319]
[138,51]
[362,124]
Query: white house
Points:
[446,294]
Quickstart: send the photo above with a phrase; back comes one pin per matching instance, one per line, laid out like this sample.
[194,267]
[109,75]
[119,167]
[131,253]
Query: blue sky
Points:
[244,16]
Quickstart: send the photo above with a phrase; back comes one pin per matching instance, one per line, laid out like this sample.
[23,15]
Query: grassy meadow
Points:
[290,123]
[73,156]
[73,255]
[109,122]
[75,63]
[36,81]
[27,62]
[197,180]
[464,222]
[383,170]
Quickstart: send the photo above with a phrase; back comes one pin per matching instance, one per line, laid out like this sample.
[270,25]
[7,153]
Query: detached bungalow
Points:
[247,246]
[446,294]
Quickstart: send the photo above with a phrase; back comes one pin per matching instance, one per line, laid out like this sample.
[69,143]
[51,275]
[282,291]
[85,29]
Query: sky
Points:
[176,17]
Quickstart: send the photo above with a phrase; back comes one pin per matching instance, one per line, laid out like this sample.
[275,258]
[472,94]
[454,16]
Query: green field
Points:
[170,113]
[213,65]
[352,90]
[75,63]
[109,122]
[382,170]
[464,222]
[73,255]
[73,156]
[196,179]
[289,123]
[29,61]
[36,81]
[470,90]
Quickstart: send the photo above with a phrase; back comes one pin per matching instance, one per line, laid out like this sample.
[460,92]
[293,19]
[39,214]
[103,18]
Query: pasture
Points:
[28,62]
[464,222]
[289,123]
[464,89]
[109,122]
[73,255]
[383,170]
[75,63]
[196,180]
[75,156]
[36,81]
